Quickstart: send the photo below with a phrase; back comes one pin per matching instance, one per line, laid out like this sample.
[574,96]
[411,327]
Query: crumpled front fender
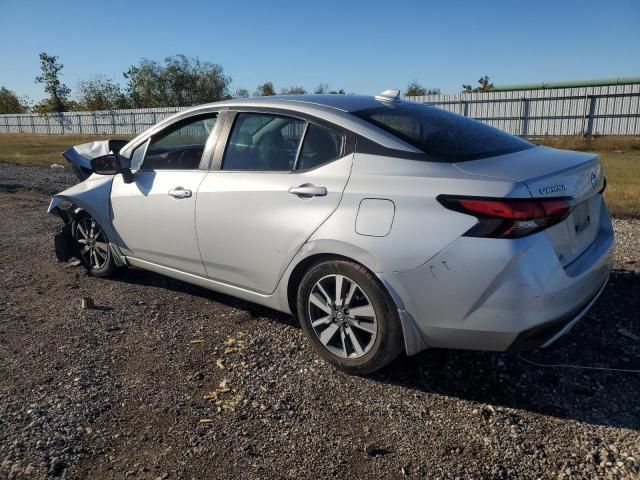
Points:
[93,196]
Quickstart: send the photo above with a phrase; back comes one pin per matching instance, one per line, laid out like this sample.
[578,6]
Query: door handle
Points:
[308,190]
[180,192]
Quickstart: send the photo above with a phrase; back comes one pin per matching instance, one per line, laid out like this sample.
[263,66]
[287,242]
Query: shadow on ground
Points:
[150,279]
[500,379]
[595,396]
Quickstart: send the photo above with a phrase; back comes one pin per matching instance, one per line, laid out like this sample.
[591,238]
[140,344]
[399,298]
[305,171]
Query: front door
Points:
[155,214]
[280,179]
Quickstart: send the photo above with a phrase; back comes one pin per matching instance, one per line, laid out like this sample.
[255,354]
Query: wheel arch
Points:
[303,267]
[92,196]
[412,338]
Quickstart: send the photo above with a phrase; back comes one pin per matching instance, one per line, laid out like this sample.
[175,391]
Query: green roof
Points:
[569,84]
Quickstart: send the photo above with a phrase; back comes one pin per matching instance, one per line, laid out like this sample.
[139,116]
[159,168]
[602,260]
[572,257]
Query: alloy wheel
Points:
[92,243]
[342,316]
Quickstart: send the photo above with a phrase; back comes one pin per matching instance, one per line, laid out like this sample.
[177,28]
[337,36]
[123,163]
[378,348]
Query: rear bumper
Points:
[544,335]
[491,294]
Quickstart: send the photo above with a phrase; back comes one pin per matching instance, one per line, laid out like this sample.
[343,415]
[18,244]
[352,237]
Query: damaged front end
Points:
[80,156]
[91,195]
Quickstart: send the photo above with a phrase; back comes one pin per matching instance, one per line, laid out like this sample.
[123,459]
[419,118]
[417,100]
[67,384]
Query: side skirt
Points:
[231,290]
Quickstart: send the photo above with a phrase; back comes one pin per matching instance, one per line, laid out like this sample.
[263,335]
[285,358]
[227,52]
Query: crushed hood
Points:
[80,156]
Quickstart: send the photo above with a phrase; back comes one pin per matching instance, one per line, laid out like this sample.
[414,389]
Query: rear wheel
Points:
[92,246]
[349,317]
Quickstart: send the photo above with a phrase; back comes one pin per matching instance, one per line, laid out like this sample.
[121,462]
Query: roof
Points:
[345,103]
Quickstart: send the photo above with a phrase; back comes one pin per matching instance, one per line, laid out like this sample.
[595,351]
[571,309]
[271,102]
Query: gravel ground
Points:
[166,380]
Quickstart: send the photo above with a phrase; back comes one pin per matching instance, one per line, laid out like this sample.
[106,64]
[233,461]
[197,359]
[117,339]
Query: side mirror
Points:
[112,164]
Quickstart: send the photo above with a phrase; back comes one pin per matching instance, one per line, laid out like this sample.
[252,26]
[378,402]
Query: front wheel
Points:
[349,317]
[92,246]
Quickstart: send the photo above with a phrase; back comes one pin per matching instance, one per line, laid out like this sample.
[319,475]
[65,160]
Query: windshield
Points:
[443,134]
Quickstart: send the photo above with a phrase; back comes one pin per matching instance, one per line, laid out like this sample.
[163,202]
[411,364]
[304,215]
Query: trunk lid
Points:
[548,173]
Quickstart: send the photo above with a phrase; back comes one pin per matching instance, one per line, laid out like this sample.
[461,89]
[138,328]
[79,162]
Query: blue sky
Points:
[363,47]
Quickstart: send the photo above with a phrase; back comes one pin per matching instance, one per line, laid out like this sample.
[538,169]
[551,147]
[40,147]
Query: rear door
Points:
[278,179]
[155,214]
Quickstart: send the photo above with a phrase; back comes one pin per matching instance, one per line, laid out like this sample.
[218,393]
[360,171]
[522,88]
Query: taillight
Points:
[509,217]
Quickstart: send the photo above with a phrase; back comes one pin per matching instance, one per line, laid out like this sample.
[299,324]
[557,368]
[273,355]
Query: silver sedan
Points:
[382,225]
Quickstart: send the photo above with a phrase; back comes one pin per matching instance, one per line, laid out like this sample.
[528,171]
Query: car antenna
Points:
[391,95]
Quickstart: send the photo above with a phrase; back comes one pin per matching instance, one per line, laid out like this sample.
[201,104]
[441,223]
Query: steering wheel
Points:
[188,151]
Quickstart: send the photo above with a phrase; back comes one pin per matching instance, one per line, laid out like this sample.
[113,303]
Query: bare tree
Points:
[322,88]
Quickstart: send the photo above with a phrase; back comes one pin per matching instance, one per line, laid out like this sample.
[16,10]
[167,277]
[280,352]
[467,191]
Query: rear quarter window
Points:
[321,145]
[442,134]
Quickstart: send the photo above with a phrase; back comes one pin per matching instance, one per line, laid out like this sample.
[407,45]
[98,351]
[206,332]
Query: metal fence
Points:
[601,110]
[112,122]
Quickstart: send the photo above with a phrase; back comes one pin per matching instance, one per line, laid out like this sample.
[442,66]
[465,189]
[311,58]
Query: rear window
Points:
[443,134]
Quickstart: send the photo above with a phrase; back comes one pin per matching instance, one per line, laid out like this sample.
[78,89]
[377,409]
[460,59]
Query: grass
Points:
[620,157]
[621,164]
[623,183]
[41,150]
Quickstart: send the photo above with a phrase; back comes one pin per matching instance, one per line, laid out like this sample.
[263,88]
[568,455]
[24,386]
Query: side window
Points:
[137,154]
[263,142]
[181,147]
[320,146]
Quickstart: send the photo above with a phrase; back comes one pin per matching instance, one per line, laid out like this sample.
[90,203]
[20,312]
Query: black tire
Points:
[388,341]
[105,266]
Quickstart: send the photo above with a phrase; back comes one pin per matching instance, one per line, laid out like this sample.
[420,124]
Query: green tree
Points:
[241,93]
[179,82]
[265,90]
[414,89]
[100,93]
[11,103]
[323,88]
[295,90]
[484,86]
[58,92]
